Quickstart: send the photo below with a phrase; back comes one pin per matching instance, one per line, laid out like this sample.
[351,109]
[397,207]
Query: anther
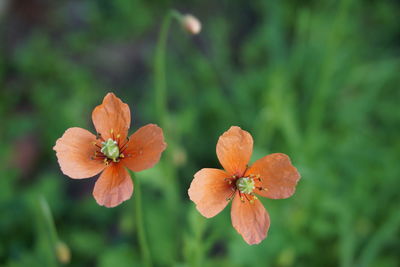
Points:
[122,155]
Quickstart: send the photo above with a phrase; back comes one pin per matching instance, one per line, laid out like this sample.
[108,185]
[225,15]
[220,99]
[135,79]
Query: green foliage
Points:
[317,80]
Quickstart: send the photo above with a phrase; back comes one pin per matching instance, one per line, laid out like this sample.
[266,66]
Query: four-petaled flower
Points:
[82,154]
[272,176]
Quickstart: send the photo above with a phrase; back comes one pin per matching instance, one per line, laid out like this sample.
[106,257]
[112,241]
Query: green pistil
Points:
[110,149]
[245,185]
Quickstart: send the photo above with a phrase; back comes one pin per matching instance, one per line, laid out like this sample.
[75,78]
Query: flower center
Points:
[110,149]
[245,185]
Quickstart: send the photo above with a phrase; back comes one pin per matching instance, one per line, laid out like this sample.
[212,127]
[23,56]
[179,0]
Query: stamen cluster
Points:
[246,187]
[111,149]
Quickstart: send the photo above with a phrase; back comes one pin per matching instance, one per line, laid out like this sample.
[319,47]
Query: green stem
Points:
[49,221]
[159,67]
[47,233]
[144,246]
[161,100]
[161,108]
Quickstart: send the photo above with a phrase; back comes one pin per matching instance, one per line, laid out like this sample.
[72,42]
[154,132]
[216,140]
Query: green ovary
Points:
[245,185]
[110,149]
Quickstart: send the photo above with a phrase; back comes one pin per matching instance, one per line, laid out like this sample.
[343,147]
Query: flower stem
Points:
[161,101]
[159,67]
[57,251]
[161,108]
[48,220]
[144,247]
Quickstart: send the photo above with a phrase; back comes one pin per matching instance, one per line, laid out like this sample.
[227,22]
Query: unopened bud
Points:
[63,252]
[179,156]
[191,24]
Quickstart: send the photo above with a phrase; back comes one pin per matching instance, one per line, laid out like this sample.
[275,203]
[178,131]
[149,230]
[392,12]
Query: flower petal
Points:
[251,220]
[209,191]
[144,148]
[112,118]
[278,175]
[234,150]
[74,151]
[113,187]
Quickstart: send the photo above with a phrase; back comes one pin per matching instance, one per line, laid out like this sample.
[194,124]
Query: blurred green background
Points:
[317,80]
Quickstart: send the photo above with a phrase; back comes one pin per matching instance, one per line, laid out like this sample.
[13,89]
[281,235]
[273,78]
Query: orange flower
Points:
[82,154]
[272,176]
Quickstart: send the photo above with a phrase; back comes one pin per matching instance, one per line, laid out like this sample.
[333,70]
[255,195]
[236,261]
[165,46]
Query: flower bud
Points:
[63,252]
[191,24]
[179,156]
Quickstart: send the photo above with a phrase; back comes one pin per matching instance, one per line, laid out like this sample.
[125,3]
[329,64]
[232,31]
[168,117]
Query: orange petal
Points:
[113,187]
[234,150]
[112,118]
[278,176]
[74,151]
[144,148]
[209,191]
[251,220]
